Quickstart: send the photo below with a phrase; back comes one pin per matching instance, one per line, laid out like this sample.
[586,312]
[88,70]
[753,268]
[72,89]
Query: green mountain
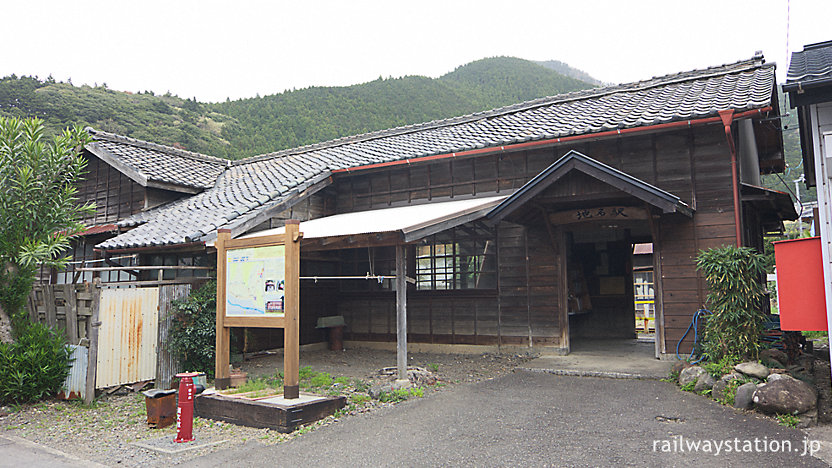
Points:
[246,127]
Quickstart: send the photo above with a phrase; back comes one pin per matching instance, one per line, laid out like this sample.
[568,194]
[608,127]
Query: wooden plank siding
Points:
[691,163]
[115,195]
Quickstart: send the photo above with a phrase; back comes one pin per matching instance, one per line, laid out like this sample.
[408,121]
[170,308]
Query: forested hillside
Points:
[247,127]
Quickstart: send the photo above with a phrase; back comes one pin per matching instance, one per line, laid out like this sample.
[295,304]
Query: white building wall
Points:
[821,115]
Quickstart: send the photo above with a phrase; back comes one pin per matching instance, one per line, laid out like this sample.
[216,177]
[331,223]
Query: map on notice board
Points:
[254,281]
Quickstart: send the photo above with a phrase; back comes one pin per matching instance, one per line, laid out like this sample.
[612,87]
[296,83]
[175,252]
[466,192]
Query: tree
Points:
[39,208]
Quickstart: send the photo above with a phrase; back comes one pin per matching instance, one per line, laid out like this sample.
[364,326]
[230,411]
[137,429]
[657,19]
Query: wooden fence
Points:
[64,307]
[74,310]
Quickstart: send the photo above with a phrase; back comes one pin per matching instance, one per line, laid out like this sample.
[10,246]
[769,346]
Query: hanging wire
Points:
[799,201]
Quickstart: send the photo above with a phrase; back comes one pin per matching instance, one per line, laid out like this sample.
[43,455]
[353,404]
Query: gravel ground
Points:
[106,431]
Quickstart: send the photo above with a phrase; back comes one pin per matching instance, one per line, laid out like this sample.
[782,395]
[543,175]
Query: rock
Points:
[776,377]
[808,419]
[386,387]
[786,396]
[690,374]
[745,393]
[5,411]
[679,366]
[752,369]
[774,355]
[704,382]
[421,377]
[718,391]
[807,361]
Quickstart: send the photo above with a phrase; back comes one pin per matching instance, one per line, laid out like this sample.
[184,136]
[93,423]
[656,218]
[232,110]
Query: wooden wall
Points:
[692,163]
[115,195]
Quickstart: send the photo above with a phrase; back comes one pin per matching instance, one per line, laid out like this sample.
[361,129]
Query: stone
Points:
[776,377]
[785,396]
[808,419]
[704,382]
[752,369]
[775,355]
[679,366]
[421,377]
[718,391]
[690,375]
[744,397]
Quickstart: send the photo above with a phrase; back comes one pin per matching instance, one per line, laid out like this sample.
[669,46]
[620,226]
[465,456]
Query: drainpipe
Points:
[727,119]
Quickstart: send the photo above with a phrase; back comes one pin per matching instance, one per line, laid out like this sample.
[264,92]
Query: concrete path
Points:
[538,419]
[17,452]
[629,359]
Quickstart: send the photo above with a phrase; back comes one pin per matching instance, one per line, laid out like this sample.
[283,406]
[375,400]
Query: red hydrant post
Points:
[185,408]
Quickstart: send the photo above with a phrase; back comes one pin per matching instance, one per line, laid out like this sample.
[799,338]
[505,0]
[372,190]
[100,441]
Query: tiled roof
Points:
[150,162]
[252,184]
[812,65]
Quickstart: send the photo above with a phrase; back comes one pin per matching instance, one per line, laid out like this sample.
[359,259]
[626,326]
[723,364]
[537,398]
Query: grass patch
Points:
[787,420]
[401,394]
[721,367]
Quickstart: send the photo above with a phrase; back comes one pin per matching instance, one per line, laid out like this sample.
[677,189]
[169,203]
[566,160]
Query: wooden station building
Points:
[515,227]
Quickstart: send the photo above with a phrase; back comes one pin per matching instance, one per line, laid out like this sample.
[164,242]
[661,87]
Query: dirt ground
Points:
[107,431]
[365,364]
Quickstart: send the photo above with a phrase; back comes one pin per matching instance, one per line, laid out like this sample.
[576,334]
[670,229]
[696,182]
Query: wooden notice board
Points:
[258,286]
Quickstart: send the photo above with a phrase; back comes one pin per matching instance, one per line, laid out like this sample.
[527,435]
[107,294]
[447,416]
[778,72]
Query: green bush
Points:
[734,276]
[192,337]
[33,367]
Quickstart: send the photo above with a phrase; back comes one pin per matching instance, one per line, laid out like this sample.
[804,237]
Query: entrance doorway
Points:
[607,285]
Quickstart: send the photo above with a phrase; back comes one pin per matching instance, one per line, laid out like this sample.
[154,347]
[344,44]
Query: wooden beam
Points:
[291,329]
[254,322]
[145,268]
[222,373]
[401,313]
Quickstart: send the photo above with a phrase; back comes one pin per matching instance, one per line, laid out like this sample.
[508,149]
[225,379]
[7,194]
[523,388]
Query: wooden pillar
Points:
[222,373]
[401,313]
[92,355]
[658,289]
[291,329]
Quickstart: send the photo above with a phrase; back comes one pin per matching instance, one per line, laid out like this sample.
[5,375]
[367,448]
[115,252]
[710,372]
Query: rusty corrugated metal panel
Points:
[127,336]
[75,383]
[167,366]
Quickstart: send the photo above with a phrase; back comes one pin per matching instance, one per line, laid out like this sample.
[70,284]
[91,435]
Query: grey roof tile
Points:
[251,184]
[159,163]
[811,65]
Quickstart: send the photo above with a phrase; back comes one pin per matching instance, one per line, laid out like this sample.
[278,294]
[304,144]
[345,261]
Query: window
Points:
[461,258]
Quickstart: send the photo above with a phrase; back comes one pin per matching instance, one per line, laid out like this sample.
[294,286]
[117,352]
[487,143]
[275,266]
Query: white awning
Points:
[413,222]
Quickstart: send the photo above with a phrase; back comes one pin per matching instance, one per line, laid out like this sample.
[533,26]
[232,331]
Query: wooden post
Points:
[401,313]
[291,301]
[49,303]
[71,301]
[92,355]
[658,290]
[222,373]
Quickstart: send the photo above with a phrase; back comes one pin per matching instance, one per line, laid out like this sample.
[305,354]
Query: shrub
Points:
[735,294]
[33,367]
[192,337]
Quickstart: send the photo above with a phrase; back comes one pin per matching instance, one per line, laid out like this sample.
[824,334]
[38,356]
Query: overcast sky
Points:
[212,50]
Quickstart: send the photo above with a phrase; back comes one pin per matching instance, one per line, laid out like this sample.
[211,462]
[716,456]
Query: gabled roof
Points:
[251,187]
[575,161]
[810,67]
[159,166]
